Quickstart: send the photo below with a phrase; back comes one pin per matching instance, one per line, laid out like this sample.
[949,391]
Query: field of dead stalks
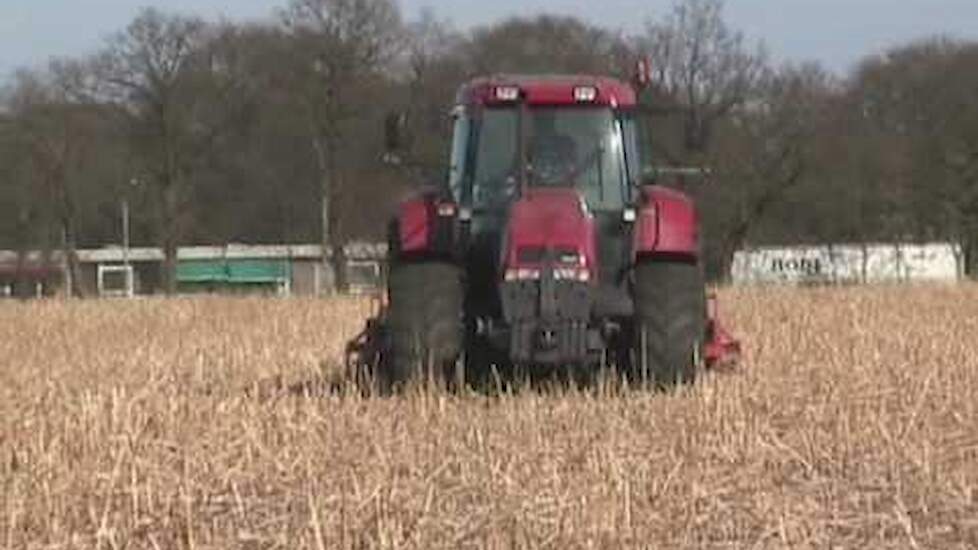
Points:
[852,423]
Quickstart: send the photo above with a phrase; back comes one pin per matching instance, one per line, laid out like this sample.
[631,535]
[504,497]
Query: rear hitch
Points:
[365,354]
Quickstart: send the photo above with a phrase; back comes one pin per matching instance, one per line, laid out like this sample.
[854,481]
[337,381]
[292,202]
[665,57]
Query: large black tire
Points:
[670,322]
[425,323]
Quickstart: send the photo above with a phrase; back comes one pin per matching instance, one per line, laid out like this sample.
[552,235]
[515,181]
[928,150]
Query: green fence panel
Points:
[202,271]
[234,271]
[258,271]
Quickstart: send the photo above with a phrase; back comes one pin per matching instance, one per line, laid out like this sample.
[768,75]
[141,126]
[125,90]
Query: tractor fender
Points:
[666,224]
[424,225]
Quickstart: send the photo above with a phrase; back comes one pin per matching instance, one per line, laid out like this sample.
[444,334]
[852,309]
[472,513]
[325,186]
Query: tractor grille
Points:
[523,300]
[538,254]
[548,320]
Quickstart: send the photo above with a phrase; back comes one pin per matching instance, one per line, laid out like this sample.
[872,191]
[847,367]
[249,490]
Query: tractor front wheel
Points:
[425,320]
[670,322]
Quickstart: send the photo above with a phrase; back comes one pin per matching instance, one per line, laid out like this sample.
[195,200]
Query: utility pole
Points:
[125,232]
[66,265]
[328,279]
[134,183]
[125,247]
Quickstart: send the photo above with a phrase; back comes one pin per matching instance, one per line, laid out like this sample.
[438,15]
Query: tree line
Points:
[273,132]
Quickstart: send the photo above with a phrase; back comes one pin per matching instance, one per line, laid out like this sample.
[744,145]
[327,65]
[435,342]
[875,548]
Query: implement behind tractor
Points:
[554,245]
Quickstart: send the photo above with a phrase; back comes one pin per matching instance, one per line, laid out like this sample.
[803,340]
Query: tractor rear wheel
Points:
[425,320]
[670,322]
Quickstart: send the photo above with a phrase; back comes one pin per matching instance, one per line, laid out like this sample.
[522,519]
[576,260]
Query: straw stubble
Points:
[211,423]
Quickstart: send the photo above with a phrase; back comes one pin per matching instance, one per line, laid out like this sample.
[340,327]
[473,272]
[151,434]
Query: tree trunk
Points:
[74,287]
[169,274]
[970,256]
[170,239]
[338,261]
[337,241]
[331,245]
[17,284]
[329,273]
[735,240]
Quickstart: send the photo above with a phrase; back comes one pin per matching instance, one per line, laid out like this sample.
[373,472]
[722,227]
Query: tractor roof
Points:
[547,90]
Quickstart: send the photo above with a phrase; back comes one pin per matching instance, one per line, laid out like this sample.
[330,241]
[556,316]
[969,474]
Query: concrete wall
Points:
[305,275]
[89,279]
[364,276]
[849,264]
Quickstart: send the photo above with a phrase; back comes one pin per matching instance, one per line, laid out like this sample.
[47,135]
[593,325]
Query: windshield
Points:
[581,147]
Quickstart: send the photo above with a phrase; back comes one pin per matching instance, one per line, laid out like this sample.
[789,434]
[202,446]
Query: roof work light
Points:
[507,93]
[585,94]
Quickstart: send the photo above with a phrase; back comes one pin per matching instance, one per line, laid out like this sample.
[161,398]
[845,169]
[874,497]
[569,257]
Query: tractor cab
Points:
[516,133]
[517,136]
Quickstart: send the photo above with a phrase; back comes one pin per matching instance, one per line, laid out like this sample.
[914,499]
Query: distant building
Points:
[273,269]
[29,278]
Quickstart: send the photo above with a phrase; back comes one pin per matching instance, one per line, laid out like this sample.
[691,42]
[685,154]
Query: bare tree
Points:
[433,64]
[58,137]
[921,97]
[338,47]
[544,44]
[23,209]
[178,93]
[698,60]
[765,149]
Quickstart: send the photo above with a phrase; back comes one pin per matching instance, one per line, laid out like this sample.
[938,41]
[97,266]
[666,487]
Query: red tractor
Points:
[550,247]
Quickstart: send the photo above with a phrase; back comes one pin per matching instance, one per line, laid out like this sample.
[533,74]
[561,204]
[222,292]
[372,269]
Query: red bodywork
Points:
[666,223]
[550,218]
[555,90]
[418,220]
[415,223]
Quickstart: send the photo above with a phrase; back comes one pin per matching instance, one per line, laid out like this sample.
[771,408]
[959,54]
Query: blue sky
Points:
[835,32]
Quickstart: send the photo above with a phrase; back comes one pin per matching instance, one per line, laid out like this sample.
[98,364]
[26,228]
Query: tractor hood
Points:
[550,227]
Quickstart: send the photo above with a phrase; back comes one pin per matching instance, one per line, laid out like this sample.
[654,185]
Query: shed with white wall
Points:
[849,264]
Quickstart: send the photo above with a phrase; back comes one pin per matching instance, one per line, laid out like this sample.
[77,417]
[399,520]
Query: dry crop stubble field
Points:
[852,423]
